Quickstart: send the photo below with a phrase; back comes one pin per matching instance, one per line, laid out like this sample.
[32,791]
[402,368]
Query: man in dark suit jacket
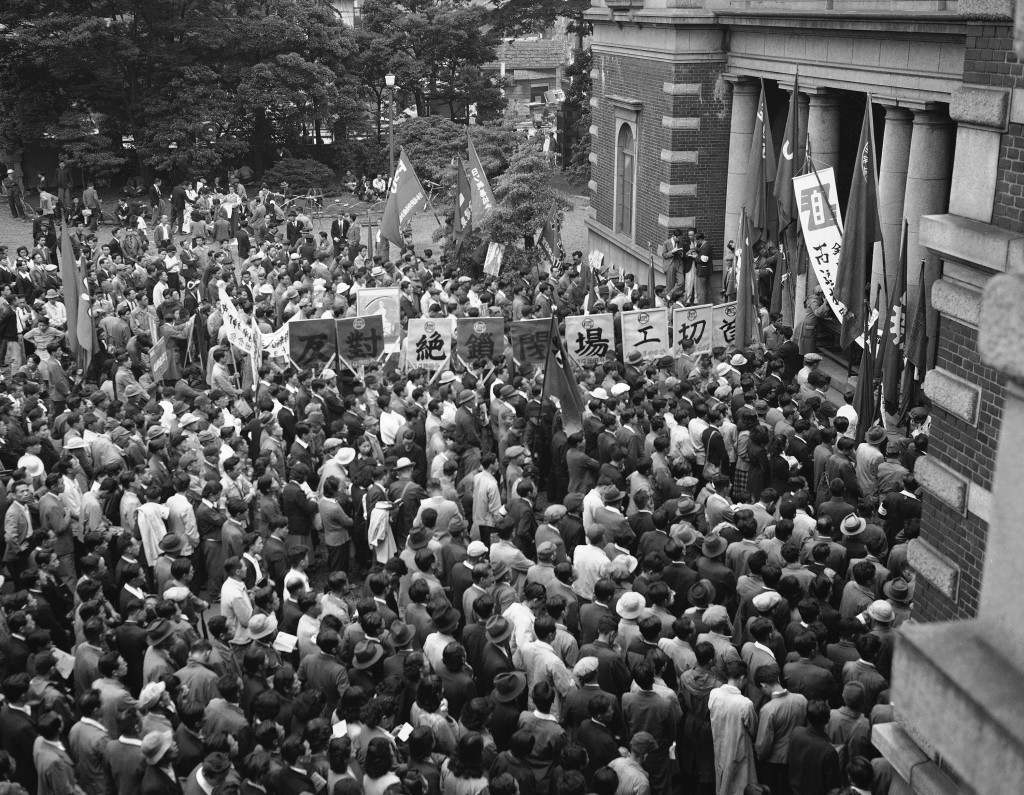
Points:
[813,761]
[299,508]
[291,780]
[130,638]
[496,658]
[338,234]
[522,517]
[275,555]
[18,731]
[14,650]
[612,674]
[177,208]
[582,468]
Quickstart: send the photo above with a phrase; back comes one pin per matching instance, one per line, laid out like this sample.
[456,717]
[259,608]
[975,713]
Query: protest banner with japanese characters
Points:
[360,340]
[275,343]
[312,343]
[723,325]
[694,323]
[428,343]
[159,359]
[479,338]
[385,301]
[589,338]
[241,331]
[530,340]
[492,262]
[645,330]
[822,224]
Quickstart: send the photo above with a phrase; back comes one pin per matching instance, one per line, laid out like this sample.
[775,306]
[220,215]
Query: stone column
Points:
[892,183]
[744,107]
[823,140]
[927,193]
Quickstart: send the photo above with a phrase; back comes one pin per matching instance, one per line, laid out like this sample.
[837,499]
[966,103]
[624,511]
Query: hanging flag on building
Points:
[894,348]
[748,319]
[405,198]
[917,346]
[71,287]
[549,239]
[760,170]
[463,220]
[560,382]
[863,230]
[482,197]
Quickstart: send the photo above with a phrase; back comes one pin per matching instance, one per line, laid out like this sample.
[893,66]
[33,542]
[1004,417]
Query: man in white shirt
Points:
[235,604]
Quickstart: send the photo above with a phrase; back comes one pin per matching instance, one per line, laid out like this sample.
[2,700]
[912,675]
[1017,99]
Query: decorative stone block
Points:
[1001,327]
[982,107]
[594,102]
[592,186]
[965,240]
[671,156]
[675,221]
[985,9]
[677,190]
[681,89]
[957,301]
[943,482]
[939,570]
[975,173]
[593,131]
[681,122]
[592,157]
[953,394]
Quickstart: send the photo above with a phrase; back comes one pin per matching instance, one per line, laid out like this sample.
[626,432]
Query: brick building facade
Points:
[948,94]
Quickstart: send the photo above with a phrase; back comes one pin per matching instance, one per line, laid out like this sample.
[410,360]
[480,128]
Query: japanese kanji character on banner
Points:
[479,338]
[428,343]
[693,323]
[530,340]
[589,338]
[646,331]
[823,229]
[360,339]
[723,325]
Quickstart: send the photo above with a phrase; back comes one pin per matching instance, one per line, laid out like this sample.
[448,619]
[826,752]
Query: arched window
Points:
[625,172]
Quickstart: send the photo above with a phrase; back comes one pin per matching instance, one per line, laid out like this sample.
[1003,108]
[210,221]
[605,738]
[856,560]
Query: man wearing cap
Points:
[631,770]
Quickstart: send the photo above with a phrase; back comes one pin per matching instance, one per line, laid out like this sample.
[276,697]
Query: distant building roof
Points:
[531,54]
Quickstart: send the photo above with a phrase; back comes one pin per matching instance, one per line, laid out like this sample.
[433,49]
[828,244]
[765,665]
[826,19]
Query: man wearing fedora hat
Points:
[497,654]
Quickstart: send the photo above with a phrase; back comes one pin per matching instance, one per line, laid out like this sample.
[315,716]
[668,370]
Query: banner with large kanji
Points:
[693,323]
[312,344]
[590,338]
[530,340]
[646,331]
[360,339]
[818,201]
[241,331]
[723,325]
[428,343]
[479,338]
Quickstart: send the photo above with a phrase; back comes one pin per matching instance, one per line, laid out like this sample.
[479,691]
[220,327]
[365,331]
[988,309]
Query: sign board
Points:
[692,322]
[385,301]
[822,225]
[428,342]
[275,344]
[159,359]
[530,340]
[645,330]
[360,339]
[312,343]
[554,96]
[479,338]
[240,330]
[590,338]
[723,325]
[492,262]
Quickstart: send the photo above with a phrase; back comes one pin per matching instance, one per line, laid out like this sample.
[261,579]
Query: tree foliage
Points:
[526,17]
[434,142]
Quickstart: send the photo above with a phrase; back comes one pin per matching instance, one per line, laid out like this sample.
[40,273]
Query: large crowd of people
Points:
[423,583]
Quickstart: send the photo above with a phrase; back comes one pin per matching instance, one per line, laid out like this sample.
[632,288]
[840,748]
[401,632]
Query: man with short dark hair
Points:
[813,761]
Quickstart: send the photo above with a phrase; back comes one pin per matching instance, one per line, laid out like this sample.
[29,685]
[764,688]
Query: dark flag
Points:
[463,220]
[917,347]
[405,198]
[549,238]
[481,195]
[760,170]
[560,383]
[71,287]
[895,330]
[748,319]
[784,286]
[864,396]
[862,230]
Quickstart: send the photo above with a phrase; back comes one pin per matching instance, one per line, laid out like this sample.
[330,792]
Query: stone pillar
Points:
[744,107]
[892,183]
[823,140]
[927,193]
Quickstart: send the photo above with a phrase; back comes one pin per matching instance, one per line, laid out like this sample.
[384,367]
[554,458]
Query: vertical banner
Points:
[428,343]
[530,340]
[384,301]
[479,338]
[723,325]
[822,224]
[589,338]
[312,343]
[694,323]
[360,340]
[645,330]
[492,263]
[240,330]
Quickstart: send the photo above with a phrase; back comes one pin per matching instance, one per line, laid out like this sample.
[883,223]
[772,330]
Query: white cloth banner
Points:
[589,338]
[275,343]
[241,331]
[645,330]
[695,323]
[723,325]
[816,193]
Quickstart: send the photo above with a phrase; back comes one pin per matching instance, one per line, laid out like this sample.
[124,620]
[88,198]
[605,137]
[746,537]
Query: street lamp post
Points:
[389,81]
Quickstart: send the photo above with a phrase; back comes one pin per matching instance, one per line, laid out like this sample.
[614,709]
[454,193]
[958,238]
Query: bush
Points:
[299,174]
